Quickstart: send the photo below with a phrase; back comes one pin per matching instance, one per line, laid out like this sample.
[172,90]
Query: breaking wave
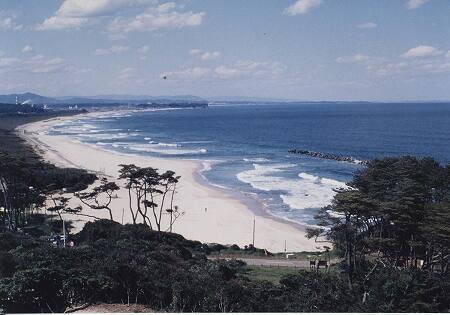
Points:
[164,149]
[256,160]
[308,191]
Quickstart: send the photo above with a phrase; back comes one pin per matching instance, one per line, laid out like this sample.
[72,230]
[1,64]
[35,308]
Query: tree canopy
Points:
[395,213]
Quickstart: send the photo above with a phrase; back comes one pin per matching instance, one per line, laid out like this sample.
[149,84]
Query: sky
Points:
[375,50]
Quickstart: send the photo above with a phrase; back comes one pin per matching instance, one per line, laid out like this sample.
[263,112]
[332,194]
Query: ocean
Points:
[245,147]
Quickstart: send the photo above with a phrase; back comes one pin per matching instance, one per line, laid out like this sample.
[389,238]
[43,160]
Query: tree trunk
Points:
[171,206]
[131,207]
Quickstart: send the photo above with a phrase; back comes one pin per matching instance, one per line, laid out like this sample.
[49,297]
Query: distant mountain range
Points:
[25,98]
[30,98]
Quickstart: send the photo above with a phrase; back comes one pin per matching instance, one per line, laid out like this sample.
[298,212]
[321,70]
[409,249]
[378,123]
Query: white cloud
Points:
[56,23]
[152,20]
[6,62]
[7,23]
[409,64]
[422,51]
[195,51]
[248,68]
[37,57]
[367,25]
[37,64]
[255,68]
[225,72]
[188,73]
[165,7]
[387,68]
[48,65]
[448,54]
[205,55]
[143,51]
[357,58]
[241,69]
[414,4]
[211,55]
[90,8]
[127,74]
[27,49]
[302,7]
[412,67]
[78,13]
[110,50]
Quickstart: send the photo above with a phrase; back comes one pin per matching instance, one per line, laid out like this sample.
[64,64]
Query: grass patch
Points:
[274,274]
[260,253]
[271,274]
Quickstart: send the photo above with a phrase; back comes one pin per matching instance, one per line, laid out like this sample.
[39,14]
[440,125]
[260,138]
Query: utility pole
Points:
[64,233]
[254,223]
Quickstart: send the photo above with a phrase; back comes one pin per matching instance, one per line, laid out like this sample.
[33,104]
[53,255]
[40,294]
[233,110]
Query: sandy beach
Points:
[212,215]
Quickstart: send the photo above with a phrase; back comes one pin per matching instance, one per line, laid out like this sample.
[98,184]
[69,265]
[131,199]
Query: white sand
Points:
[227,220]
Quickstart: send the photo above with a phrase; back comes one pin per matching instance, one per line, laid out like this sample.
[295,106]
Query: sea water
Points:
[244,147]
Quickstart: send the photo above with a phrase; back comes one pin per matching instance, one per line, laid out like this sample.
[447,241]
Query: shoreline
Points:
[213,214]
[250,200]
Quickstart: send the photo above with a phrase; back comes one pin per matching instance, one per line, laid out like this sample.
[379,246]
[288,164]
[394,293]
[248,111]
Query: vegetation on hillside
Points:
[396,214]
[26,181]
[112,263]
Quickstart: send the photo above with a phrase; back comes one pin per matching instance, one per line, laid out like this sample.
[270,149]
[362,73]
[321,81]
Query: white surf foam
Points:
[104,136]
[196,142]
[307,176]
[260,176]
[333,182]
[127,134]
[155,148]
[207,166]
[114,115]
[104,130]
[256,160]
[162,144]
[306,192]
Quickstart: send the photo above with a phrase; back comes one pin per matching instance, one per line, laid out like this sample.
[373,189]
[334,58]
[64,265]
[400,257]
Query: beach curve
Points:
[212,215]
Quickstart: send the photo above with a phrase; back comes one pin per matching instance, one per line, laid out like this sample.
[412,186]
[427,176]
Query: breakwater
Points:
[329,156]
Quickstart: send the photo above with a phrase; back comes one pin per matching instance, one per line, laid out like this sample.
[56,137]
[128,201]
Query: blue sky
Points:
[305,49]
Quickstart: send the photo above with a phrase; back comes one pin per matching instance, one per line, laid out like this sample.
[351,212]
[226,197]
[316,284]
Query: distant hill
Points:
[26,98]
[186,98]
[30,98]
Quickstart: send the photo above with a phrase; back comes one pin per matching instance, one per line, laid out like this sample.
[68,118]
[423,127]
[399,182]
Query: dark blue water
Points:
[249,144]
